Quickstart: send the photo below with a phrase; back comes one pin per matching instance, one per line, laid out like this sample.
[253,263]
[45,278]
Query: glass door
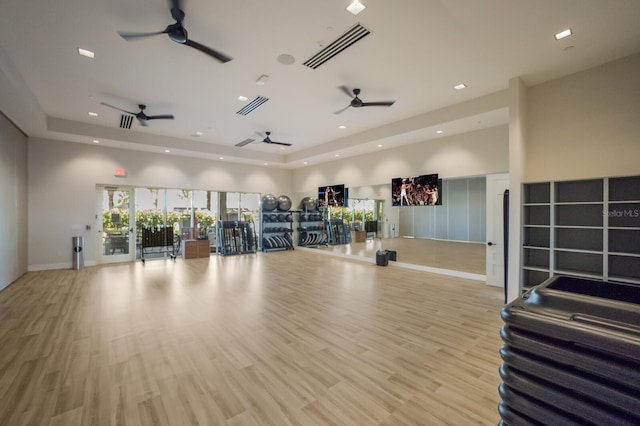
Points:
[115,225]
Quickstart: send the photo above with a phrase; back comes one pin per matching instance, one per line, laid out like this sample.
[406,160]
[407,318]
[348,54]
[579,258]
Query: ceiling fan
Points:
[268,140]
[356,102]
[141,116]
[178,33]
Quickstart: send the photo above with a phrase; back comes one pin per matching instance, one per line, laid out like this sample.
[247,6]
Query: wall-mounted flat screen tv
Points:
[332,195]
[423,190]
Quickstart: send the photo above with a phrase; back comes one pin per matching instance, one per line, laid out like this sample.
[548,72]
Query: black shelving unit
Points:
[276,230]
[236,237]
[312,231]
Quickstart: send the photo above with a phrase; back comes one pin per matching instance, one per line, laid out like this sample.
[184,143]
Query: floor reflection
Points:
[449,255]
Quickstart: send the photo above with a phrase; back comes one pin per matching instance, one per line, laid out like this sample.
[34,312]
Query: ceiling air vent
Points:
[125,121]
[252,105]
[355,33]
[245,142]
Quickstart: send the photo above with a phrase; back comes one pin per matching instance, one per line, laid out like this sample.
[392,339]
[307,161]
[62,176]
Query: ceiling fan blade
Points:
[209,51]
[137,36]
[119,109]
[342,110]
[142,121]
[279,143]
[161,117]
[176,10]
[347,91]
[382,103]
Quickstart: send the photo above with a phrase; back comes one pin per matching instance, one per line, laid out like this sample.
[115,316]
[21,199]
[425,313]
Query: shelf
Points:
[589,239]
[537,237]
[579,191]
[625,241]
[624,266]
[535,268]
[624,188]
[577,273]
[624,215]
[578,203]
[623,254]
[582,261]
[276,229]
[532,278]
[592,231]
[537,215]
[536,258]
[625,280]
[579,215]
[535,193]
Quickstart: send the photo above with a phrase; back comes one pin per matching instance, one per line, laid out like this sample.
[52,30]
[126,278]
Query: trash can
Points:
[78,252]
[382,258]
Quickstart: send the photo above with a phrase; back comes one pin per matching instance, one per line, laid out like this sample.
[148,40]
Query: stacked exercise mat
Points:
[236,237]
[276,223]
[571,354]
[311,225]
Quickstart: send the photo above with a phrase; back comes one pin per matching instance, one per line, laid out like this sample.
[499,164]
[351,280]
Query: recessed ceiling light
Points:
[242,98]
[342,127]
[166,150]
[266,164]
[563,34]
[96,141]
[93,114]
[460,86]
[220,158]
[337,155]
[282,147]
[305,162]
[356,7]
[87,53]
[439,132]
[197,134]
[379,146]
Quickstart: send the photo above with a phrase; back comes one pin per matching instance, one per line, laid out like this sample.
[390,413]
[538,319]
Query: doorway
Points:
[115,223]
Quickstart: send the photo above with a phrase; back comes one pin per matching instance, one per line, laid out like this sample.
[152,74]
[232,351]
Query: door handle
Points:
[491,244]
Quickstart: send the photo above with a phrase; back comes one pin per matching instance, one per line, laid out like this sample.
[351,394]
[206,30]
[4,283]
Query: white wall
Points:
[62,189]
[585,125]
[470,154]
[13,202]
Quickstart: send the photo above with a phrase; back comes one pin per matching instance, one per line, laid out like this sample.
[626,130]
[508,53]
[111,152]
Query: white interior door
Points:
[496,186]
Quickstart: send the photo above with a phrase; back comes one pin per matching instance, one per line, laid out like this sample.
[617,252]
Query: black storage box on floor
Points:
[382,258]
[571,354]
[393,255]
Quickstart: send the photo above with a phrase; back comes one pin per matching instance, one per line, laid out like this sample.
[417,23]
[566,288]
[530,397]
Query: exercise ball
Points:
[308,204]
[269,202]
[284,203]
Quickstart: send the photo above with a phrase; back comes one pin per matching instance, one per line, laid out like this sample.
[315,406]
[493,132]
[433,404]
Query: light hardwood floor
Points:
[283,338]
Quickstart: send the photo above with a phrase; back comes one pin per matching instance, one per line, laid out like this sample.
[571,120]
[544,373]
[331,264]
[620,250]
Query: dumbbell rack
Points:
[276,229]
[312,231]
